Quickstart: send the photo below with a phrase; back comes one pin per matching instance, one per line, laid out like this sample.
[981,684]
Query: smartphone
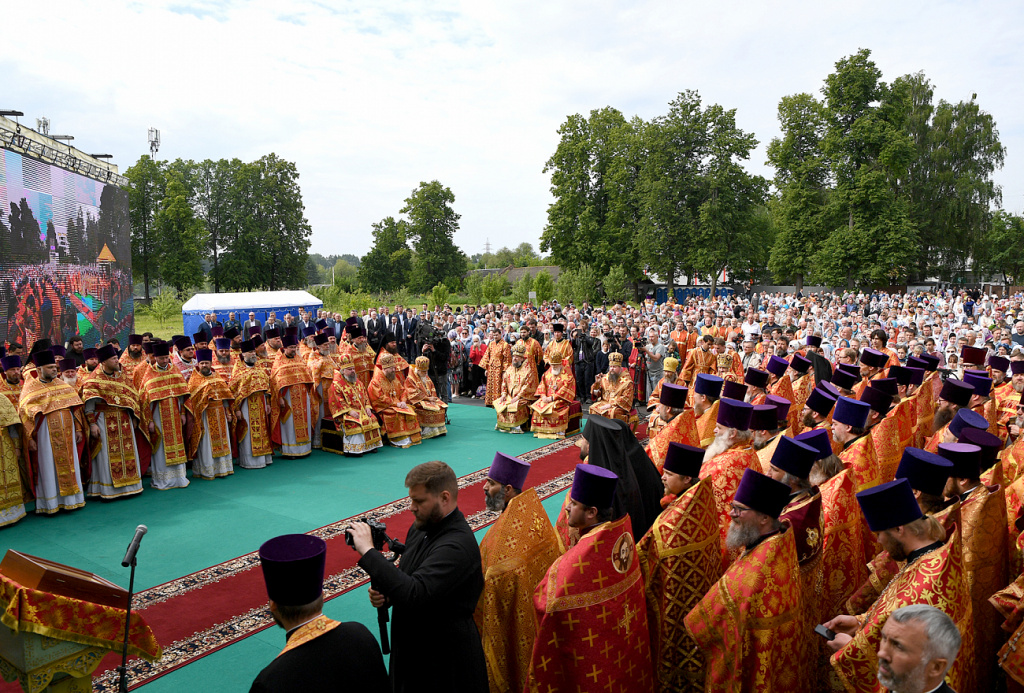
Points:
[824,632]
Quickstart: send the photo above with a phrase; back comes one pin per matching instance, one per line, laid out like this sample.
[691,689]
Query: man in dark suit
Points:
[251,322]
[917,649]
[435,645]
[320,653]
[272,324]
[395,327]
[409,325]
[374,330]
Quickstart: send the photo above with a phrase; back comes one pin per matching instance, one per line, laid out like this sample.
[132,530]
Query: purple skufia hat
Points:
[218,331]
[889,505]
[67,365]
[58,351]
[820,402]
[9,362]
[222,343]
[320,339]
[107,351]
[932,361]
[734,414]
[956,391]
[673,396]
[594,486]
[964,419]
[966,459]
[851,412]
[916,376]
[733,390]
[272,333]
[247,346]
[813,340]
[794,457]
[916,362]
[289,340]
[990,444]
[817,438]
[982,384]
[800,363]
[765,417]
[199,337]
[232,333]
[44,358]
[135,340]
[1017,367]
[161,349]
[308,331]
[204,355]
[901,374]
[999,363]
[508,470]
[321,324]
[254,331]
[708,385]
[293,568]
[926,471]
[829,388]
[851,368]
[685,460]
[762,493]
[780,403]
[889,386]
[969,354]
[183,343]
[876,399]
[874,358]
[291,330]
[756,378]
[777,366]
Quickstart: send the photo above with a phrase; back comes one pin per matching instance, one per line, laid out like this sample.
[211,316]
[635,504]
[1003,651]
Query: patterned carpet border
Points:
[207,641]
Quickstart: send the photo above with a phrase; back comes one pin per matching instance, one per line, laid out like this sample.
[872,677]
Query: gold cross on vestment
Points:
[604,614]
[571,622]
[591,637]
[580,564]
[600,579]
[594,672]
[627,618]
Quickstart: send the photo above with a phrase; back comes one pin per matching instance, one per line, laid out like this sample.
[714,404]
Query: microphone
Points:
[133,547]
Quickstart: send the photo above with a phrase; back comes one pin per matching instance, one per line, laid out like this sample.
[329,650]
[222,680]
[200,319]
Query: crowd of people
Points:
[829,482]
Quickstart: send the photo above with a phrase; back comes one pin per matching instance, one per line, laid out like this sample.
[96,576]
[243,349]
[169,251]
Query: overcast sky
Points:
[370,98]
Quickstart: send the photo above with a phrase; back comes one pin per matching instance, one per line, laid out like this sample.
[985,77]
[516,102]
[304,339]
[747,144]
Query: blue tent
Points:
[241,304]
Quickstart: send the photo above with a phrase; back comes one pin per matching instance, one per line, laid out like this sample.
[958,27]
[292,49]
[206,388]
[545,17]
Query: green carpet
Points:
[213,521]
[233,669]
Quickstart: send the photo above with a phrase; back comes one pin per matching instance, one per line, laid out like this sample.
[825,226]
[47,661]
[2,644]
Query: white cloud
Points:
[370,99]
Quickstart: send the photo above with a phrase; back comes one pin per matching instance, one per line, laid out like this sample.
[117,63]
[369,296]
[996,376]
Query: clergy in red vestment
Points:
[211,404]
[678,424]
[250,386]
[518,392]
[849,429]
[749,622]
[706,391]
[353,415]
[420,393]
[954,396]
[592,631]
[555,395]
[389,400]
[613,393]
[10,383]
[293,401]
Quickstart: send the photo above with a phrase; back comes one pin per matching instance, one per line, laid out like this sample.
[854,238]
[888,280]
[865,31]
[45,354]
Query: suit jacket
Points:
[348,653]
[269,326]
[438,583]
[251,323]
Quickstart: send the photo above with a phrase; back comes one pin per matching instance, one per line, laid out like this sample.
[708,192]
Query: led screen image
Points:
[65,255]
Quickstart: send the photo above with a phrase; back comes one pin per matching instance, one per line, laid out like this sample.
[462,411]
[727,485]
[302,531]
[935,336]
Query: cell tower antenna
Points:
[154,141]
[487,246]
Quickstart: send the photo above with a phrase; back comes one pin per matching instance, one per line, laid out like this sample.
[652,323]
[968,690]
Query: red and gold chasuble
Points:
[613,401]
[682,429]
[401,365]
[516,553]
[764,455]
[323,370]
[11,392]
[420,393]
[291,374]
[224,370]
[162,388]
[62,407]
[655,397]
[749,622]
[518,392]
[783,387]
[309,631]
[706,425]
[802,389]
[860,456]
[534,355]
[592,618]
[550,420]
[349,402]
[129,365]
[697,361]
[208,394]
[252,384]
[563,349]
[842,553]
[804,517]
[497,358]
[119,404]
[937,579]
[725,470]
[933,443]
[385,395]
[362,359]
[10,474]
[681,558]
[888,451]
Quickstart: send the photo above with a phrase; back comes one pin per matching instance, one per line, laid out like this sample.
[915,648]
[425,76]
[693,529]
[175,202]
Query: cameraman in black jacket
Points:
[584,349]
[438,350]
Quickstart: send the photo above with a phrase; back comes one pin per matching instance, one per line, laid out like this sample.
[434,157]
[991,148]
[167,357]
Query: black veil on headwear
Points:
[639,491]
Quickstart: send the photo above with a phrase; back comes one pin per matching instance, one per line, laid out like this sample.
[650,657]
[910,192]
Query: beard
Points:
[720,444]
[434,517]
[740,536]
[808,420]
[349,378]
[72,381]
[224,360]
[249,361]
[1018,387]
[613,378]
[761,439]
[912,680]
[391,349]
[942,417]
[390,376]
[895,549]
[495,503]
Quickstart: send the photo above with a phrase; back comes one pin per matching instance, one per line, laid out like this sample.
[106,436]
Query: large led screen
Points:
[65,255]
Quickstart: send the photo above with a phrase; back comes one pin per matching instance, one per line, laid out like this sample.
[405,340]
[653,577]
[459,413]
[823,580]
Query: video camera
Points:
[379,533]
[428,334]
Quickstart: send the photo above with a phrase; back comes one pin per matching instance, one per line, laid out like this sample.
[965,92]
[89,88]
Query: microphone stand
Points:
[122,670]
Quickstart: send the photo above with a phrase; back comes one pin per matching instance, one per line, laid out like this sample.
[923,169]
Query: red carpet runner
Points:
[201,613]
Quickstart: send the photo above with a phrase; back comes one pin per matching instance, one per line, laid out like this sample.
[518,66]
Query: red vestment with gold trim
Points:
[497,358]
[592,618]
[291,374]
[252,384]
[123,420]
[725,470]
[385,397]
[682,429]
[518,392]
[842,552]
[748,624]
[208,394]
[614,401]
[551,420]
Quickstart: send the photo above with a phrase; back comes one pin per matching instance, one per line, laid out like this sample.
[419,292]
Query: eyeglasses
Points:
[735,510]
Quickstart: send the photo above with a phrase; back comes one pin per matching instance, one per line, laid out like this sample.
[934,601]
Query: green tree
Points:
[1004,241]
[212,181]
[163,308]
[799,211]
[386,267]
[544,285]
[144,196]
[614,284]
[344,275]
[431,230]
[522,287]
[495,287]
[181,239]
[577,286]
[475,288]
[439,294]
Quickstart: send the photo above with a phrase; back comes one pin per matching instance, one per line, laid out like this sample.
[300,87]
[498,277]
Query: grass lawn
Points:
[145,323]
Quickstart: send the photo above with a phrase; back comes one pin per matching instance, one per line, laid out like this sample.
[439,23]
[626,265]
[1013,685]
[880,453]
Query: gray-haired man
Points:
[917,649]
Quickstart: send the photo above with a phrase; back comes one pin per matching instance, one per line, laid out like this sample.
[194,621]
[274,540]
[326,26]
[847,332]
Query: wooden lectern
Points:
[41,663]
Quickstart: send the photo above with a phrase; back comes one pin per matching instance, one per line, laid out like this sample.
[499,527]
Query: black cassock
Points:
[345,658]
[435,645]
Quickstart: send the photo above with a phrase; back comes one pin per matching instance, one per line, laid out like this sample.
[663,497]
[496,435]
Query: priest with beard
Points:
[516,552]
[431,412]
[518,392]
[613,392]
[707,390]
[677,424]
[10,383]
[222,363]
[162,396]
[250,386]
[353,414]
[322,368]
[749,623]
[728,456]
[388,399]
[120,442]
[954,396]
[849,430]
[69,374]
[211,404]
[555,397]
[133,357]
[389,346]
[293,402]
[609,443]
